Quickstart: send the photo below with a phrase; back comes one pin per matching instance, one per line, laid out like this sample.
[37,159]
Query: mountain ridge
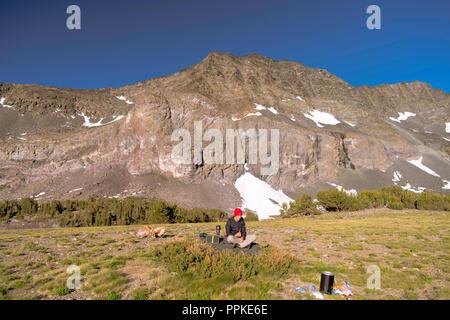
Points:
[119,138]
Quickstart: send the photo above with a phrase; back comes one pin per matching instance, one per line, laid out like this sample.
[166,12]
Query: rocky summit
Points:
[58,143]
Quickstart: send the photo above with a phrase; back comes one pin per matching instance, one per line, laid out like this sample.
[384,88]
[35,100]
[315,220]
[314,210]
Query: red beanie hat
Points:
[237,212]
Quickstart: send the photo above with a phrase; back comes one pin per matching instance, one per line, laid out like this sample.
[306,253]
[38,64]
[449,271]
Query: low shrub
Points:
[299,207]
[335,200]
[106,212]
[139,210]
[393,197]
[199,258]
[251,216]
[431,201]
[370,199]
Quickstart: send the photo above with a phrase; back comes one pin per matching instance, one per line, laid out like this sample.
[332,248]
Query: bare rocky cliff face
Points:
[58,143]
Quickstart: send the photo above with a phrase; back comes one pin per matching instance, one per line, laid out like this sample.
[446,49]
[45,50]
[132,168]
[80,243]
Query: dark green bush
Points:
[370,199]
[409,199]
[431,201]
[106,212]
[251,216]
[335,200]
[27,206]
[138,210]
[396,205]
[299,207]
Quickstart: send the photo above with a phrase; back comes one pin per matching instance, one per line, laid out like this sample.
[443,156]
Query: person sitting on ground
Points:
[236,231]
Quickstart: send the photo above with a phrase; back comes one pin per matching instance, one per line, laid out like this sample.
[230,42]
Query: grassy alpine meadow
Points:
[410,247]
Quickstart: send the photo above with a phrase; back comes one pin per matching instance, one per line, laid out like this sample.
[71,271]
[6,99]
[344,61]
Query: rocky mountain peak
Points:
[117,142]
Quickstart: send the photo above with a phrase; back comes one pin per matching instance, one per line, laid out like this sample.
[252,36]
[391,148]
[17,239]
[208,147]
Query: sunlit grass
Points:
[410,247]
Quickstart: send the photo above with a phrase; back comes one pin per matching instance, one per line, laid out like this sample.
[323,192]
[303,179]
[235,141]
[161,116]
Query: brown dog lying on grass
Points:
[150,232]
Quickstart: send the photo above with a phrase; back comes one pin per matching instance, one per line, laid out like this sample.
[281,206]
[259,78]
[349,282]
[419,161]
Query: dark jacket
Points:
[232,227]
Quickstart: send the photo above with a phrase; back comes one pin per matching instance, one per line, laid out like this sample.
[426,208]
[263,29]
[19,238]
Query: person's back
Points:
[236,231]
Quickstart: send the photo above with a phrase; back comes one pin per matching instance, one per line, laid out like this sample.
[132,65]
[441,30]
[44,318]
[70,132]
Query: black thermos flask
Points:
[218,230]
[326,282]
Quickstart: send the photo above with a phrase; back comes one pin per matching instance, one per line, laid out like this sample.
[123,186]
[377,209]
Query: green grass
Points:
[140,294]
[62,290]
[106,283]
[410,247]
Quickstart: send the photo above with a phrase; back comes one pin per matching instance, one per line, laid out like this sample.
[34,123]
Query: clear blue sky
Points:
[122,42]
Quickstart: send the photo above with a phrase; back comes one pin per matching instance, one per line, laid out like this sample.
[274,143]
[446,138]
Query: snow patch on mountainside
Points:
[418,164]
[411,188]
[259,196]
[447,127]
[87,121]
[248,115]
[5,105]
[397,177]
[350,124]
[259,107]
[340,188]
[321,117]
[39,195]
[124,99]
[446,184]
[402,116]
[273,110]
[254,114]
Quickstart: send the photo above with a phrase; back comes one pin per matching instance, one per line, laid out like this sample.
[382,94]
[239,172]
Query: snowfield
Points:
[418,164]
[115,118]
[259,196]
[321,117]
[397,177]
[402,116]
[39,194]
[340,188]
[254,114]
[87,122]
[273,110]
[447,184]
[248,115]
[447,127]
[300,98]
[124,99]
[415,190]
[350,124]
[5,105]
[259,107]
